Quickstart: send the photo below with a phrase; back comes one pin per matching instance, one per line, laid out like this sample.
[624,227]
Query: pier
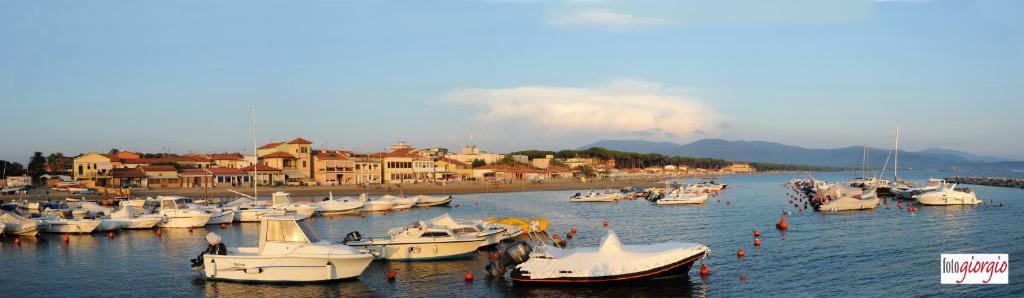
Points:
[988,181]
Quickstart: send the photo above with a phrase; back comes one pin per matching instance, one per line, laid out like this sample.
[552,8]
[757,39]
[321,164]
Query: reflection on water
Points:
[882,252]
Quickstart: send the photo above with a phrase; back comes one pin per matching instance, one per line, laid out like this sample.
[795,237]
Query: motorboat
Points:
[705,187]
[108,225]
[595,197]
[610,262]
[418,241]
[219,215]
[249,210]
[175,213]
[682,197]
[346,205]
[948,194]
[25,204]
[400,202]
[137,203]
[837,197]
[432,201]
[17,225]
[283,201]
[514,226]
[492,234]
[288,251]
[130,217]
[375,205]
[57,222]
[908,193]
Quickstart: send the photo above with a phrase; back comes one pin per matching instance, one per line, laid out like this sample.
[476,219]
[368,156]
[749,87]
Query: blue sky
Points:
[179,76]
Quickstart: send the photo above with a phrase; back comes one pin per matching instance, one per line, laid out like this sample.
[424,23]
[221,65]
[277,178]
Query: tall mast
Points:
[896,163]
[256,158]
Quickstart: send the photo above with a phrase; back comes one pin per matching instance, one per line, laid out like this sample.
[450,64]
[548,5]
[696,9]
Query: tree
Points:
[11,169]
[586,170]
[114,151]
[478,163]
[36,166]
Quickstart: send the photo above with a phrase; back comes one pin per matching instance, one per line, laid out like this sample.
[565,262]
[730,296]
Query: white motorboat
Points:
[56,222]
[107,225]
[344,205]
[25,204]
[596,197]
[248,210]
[838,197]
[493,234]
[376,205]
[131,218]
[611,262]
[948,194]
[219,216]
[17,225]
[283,201]
[705,187]
[176,214]
[288,251]
[681,197]
[418,241]
[92,209]
[432,201]
[908,193]
[400,202]
[137,203]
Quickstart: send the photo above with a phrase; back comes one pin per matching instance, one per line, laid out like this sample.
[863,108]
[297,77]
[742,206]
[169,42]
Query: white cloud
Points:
[604,18]
[621,108]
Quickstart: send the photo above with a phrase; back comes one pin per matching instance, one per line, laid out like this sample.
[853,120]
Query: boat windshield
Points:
[311,234]
[290,231]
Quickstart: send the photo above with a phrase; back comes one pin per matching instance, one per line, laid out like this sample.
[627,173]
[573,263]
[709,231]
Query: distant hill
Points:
[771,152]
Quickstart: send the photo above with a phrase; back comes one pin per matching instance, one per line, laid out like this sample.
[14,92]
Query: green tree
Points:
[586,171]
[478,163]
[36,166]
[11,169]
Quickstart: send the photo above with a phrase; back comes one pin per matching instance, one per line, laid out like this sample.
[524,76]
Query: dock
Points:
[988,181]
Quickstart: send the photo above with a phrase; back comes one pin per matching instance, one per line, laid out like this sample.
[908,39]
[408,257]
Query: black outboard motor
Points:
[353,236]
[515,254]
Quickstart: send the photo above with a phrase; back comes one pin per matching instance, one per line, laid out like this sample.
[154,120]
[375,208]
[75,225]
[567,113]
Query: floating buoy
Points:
[574,230]
[899,205]
[224,226]
[568,235]
[555,236]
[757,242]
[782,225]
[17,241]
[468,276]
[493,256]
[67,238]
[391,275]
[800,209]
[911,209]
[704,271]
[110,235]
[740,253]
[190,230]
[757,233]
[605,223]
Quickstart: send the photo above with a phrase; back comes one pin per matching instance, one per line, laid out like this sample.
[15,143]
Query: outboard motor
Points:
[353,236]
[515,254]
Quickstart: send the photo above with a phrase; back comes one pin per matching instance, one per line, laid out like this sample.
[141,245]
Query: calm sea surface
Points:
[883,252]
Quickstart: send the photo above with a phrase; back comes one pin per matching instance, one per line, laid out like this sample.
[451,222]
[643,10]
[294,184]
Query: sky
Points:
[182,76]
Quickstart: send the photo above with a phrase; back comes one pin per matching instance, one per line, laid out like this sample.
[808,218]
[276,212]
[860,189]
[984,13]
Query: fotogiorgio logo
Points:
[975,268]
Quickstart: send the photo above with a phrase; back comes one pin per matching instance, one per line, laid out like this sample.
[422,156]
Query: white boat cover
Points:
[611,258]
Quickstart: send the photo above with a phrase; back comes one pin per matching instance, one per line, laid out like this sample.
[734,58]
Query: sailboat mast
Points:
[896,163]
[256,158]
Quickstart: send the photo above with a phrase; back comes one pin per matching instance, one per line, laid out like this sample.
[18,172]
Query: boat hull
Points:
[139,223]
[279,269]
[420,251]
[432,202]
[849,203]
[72,227]
[254,215]
[224,217]
[21,229]
[378,206]
[678,268]
[196,221]
[947,200]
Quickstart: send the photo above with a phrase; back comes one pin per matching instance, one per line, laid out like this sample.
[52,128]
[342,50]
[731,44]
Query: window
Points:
[220,179]
[80,171]
[286,231]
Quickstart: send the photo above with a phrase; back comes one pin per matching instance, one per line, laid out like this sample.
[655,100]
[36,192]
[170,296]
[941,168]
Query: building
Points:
[265,175]
[368,170]
[471,153]
[401,145]
[161,177]
[739,167]
[449,169]
[228,160]
[542,162]
[195,178]
[576,162]
[128,178]
[60,165]
[19,181]
[293,158]
[397,165]
[334,168]
[229,177]
[93,169]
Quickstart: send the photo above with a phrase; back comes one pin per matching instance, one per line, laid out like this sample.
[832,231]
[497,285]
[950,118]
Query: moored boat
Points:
[431,201]
[595,197]
[17,225]
[948,194]
[417,242]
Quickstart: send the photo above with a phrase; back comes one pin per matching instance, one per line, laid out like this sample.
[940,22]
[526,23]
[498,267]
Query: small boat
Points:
[595,197]
[137,203]
[345,205]
[176,214]
[417,242]
[108,225]
[400,202]
[431,201]
[219,216]
[842,198]
[25,204]
[705,187]
[248,210]
[283,201]
[948,194]
[131,218]
[515,226]
[376,205]
[56,221]
[611,262]
[288,251]
[493,234]
[92,209]
[17,225]
[680,197]
[908,193]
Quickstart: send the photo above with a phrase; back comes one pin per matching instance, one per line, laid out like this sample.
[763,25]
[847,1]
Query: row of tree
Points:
[642,160]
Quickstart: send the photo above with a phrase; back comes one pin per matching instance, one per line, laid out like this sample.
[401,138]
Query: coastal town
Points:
[295,163]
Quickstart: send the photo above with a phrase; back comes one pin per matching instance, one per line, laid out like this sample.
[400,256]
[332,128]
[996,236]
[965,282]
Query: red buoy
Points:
[574,230]
[757,242]
[740,253]
[568,235]
[190,230]
[17,241]
[391,275]
[606,224]
[110,235]
[493,256]
[899,205]
[158,232]
[468,276]
[704,271]
[67,238]
[782,225]
[757,233]
[224,226]
[555,236]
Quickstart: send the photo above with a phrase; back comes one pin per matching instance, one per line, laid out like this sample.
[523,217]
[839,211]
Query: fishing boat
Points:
[948,194]
[400,202]
[595,197]
[176,214]
[130,217]
[841,198]
[56,221]
[610,262]
[418,241]
[492,235]
[432,201]
[283,201]
[682,197]
[17,225]
[288,251]
[332,206]
[375,205]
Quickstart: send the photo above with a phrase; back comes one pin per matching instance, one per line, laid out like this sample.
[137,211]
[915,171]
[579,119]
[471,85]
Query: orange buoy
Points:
[740,253]
[704,271]
[468,276]
[224,226]
[757,233]
[574,230]
[757,242]
[568,235]
[17,241]
[110,235]
[67,238]
[158,232]
[189,230]
[391,275]
[782,225]
[605,223]
[493,256]
[555,236]
[899,205]
[801,209]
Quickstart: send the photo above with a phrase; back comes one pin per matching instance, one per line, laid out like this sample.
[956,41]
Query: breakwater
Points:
[988,181]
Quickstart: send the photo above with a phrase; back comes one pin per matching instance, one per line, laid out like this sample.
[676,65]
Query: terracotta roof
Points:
[452,161]
[167,159]
[225,171]
[193,172]
[128,173]
[278,154]
[557,169]
[159,169]
[226,156]
[261,167]
[400,153]
[300,141]
[271,145]
[507,168]
[331,156]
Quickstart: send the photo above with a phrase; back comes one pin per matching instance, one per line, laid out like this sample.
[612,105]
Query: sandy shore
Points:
[352,190]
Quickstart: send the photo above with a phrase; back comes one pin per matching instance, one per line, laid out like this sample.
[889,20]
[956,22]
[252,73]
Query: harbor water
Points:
[881,252]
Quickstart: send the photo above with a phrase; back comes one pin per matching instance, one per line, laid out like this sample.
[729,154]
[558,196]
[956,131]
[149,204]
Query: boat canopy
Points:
[281,198]
[285,229]
[172,203]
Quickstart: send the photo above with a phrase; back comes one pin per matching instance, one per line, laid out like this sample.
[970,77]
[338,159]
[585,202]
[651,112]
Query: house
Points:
[334,168]
[471,153]
[542,162]
[368,170]
[449,169]
[228,160]
[229,177]
[184,161]
[128,178]
[293,158]
[265,175]
[19,180]
[93,169]
[60,165]
[195,178]
[161,177]
[404,165]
